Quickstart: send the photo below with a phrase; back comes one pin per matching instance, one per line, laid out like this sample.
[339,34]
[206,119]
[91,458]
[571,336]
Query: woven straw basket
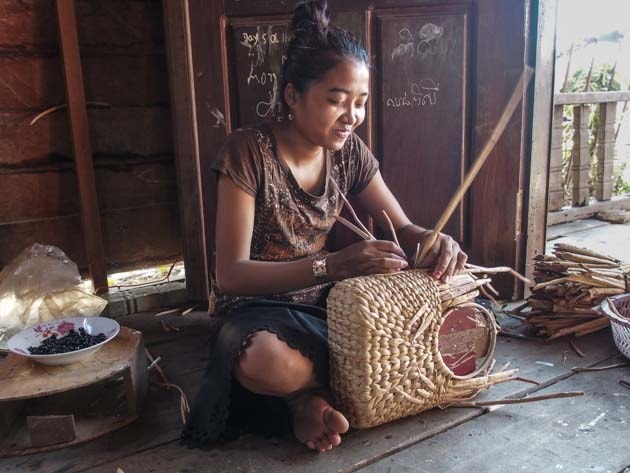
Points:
[385,361]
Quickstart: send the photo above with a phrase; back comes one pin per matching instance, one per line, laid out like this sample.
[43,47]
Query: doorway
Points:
[589,175]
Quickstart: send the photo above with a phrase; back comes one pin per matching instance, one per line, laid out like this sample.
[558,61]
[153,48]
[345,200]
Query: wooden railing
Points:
[577,176]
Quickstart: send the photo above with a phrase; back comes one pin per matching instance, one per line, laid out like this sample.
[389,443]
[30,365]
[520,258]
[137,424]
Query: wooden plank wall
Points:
[126,86]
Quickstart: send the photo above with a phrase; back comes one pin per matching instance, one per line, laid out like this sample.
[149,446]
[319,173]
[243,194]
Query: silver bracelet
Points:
[320,270]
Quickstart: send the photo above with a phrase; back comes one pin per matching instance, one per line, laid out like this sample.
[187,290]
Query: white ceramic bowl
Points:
[35,334]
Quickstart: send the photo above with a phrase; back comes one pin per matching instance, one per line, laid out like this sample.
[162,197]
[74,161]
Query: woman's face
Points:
[326,113]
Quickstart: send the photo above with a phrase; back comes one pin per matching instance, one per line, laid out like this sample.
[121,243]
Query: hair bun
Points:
[310,14]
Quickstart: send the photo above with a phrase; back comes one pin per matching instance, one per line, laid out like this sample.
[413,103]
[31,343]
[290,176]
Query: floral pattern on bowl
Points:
[36,334]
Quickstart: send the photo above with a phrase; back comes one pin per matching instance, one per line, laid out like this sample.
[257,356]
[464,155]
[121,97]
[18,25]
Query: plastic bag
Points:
[42,284]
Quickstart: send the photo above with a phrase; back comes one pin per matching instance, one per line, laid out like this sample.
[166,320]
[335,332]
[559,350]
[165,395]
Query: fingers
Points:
[444,260]
[383,256]
[391,261]
[385,265]
[366,257]
[450,270]
[461,261]
[450,260]
[386,246]
[432,255]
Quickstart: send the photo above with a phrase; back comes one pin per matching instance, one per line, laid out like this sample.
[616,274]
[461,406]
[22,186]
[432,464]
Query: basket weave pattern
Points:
[620,325]
[385,361]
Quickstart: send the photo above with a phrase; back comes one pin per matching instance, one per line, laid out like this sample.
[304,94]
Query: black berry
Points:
[72,341]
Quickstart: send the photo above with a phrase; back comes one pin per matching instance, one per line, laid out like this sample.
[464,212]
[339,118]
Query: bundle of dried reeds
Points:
[569,285]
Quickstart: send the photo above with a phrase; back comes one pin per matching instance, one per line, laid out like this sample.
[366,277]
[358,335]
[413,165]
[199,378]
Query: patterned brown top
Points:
[289,223]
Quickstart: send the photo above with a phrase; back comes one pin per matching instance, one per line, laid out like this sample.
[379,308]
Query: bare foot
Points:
[315,422]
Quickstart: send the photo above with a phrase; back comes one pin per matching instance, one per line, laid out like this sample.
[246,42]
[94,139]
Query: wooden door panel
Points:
[421,105]
[254,50]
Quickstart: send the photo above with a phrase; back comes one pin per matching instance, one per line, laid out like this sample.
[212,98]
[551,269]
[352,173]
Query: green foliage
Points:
[620,187]
[600,81]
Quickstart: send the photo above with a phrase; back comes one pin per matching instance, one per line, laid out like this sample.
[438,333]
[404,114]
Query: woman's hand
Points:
[366,257]
[445,254]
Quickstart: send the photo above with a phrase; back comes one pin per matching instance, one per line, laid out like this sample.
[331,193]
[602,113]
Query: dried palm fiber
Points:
[385,358]
[570,284]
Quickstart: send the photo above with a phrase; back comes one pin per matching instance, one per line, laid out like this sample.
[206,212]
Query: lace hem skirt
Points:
[222,408]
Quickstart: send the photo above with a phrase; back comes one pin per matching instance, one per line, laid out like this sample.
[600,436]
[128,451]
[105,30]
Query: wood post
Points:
[581,159]
[90,218]
[623,112]
[556,187]
[605,151]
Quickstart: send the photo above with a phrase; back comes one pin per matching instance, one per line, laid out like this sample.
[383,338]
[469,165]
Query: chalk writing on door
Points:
[418,45]
[419,94]
[265,51]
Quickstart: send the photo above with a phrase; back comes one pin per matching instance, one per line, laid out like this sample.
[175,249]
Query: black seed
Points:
[71,342]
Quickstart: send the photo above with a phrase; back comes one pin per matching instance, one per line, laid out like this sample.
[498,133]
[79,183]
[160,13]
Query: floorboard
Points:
[150,444]
[585,434]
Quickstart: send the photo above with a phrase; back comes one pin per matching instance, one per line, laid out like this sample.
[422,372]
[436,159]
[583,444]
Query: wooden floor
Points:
[588,433]
[582,434]
[597,235]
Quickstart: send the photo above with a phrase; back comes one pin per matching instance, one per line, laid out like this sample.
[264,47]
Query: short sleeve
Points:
[239,158]
[364,165]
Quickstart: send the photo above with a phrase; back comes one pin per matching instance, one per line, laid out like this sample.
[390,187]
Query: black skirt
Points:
[222,408]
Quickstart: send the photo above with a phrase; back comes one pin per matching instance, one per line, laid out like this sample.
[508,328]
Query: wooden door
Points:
[420,120]
[442,72]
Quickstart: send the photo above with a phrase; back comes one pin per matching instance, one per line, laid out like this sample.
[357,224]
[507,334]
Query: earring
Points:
[290,116]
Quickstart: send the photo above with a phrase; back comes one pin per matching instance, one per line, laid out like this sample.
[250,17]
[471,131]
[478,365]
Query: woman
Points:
[278,195]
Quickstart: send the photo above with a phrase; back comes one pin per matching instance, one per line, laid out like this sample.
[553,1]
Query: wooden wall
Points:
[126,86]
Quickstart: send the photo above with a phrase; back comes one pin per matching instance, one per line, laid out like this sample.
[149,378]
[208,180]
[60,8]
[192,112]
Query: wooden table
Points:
[49,407]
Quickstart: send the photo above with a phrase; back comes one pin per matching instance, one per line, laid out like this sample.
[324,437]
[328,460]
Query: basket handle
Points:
[610,311]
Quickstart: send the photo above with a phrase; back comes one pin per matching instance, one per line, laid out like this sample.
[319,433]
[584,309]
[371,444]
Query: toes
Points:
[319,423]
[335,421]
[323,443]
[333,437]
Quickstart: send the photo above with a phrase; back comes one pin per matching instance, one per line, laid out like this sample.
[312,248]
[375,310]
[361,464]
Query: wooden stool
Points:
[50,407]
